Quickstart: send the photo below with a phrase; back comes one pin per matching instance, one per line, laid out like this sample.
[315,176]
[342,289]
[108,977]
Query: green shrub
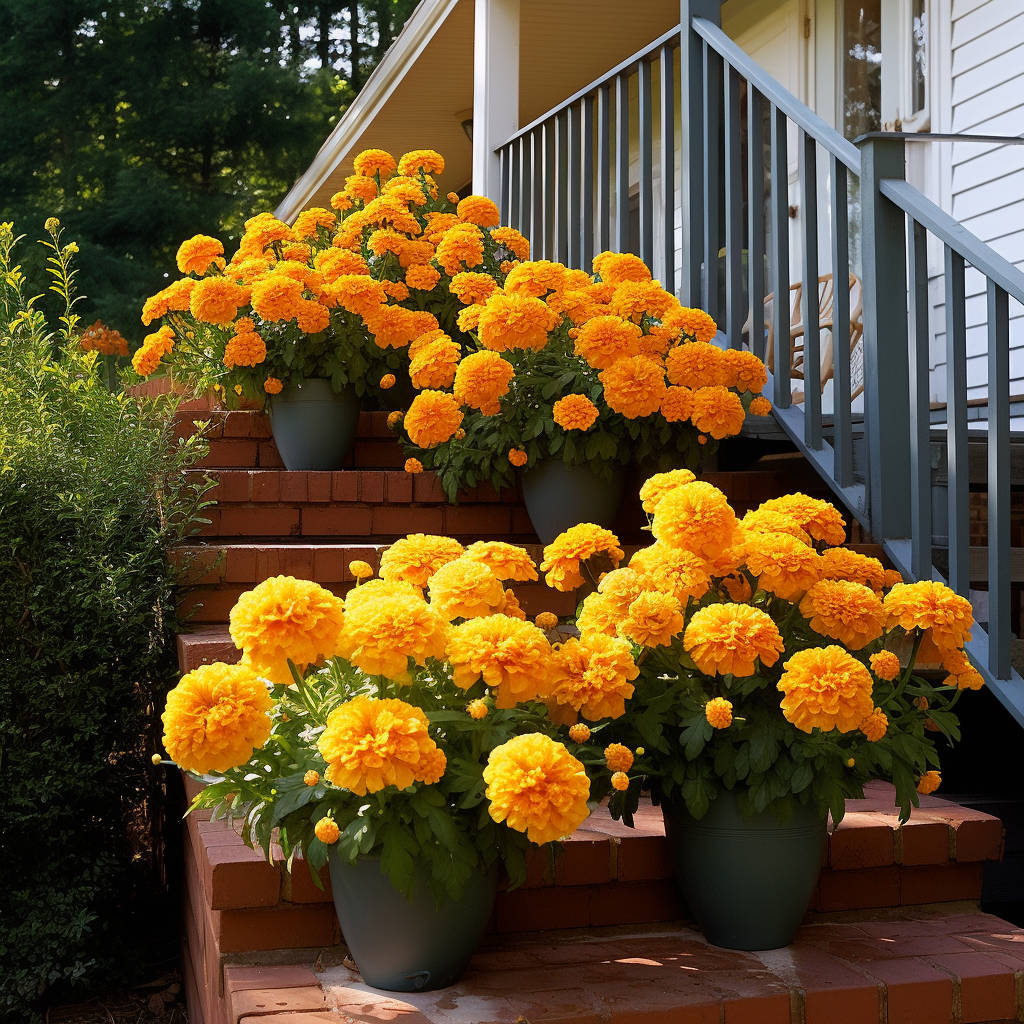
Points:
[91,497]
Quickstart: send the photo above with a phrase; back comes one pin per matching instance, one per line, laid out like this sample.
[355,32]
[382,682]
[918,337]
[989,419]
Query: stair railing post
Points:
[886,356]
[692,185]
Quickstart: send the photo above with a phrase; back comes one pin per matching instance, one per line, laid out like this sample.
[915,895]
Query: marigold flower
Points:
[546,620]
[415,558]
[245,349]
[273,386]
[594,676]
[726,639]
[374,161]
[616,267]
[672,570]
[432,418]
[387,382]
[482,379]
[696,364]
[357,293]
[968,679]
[744,371]
[929,782]
[718,712]
[477,708]
[261,232]
[695,323]
[618,758]
[783,565]
[819,518]
[423,161]
[513,241]
[278,297]
[513,657]
[506,561]
[848,612]
[718,412]
[154,347]
[563,556]
[634,386]
[930,605]
[825,688]
[413,466]
[620,781]
[652,620]
[696,517]
[579,733]
[891,578]
[311,778]
[514,322]
[517,457]
[537,279]
[422,277]
[215,717]
[875,725]
[677,405]
[327,831]
[360,570]
[634,300]
[463,589]
[434,365]
[460,248]
[512,607]
[469,288]
[536,786]
[760,406]
[196,254]
[479,210]
[574,412]
[766,521]
[656,487]
[215,300]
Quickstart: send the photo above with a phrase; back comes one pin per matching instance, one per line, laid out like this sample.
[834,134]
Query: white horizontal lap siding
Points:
[986,181]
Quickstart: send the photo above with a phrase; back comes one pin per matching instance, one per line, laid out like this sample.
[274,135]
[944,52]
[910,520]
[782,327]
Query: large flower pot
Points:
[314,427]
[408,945]
[747,881]
[558,496]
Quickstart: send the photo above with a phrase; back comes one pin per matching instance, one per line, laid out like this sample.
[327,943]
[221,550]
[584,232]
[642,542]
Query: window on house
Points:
[918,57]
[862,67]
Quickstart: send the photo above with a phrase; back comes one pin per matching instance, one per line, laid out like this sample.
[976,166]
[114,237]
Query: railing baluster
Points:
[920,418]
[811,305]
[513,187]
[645,124]
[575,205]
[561,247]
[547,250]
[503,197]
[668,166]
[622,163]
[604,160]
[755,220]
[842,442]
[956,424]
[525,185]
[998,482]
[587,191]
[712,120]
[734,312]
[783,395]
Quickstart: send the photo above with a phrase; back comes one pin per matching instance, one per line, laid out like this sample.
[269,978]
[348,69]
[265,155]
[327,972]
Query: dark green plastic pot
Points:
[404,945]
[314,427]
[558,496]
[747,881]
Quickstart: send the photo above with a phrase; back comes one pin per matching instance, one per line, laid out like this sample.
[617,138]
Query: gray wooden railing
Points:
[567,185]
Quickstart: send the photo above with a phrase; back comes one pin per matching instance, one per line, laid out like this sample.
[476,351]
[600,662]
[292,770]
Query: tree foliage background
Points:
[144,122]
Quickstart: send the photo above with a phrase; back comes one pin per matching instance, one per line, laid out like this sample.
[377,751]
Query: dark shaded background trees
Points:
[141,123]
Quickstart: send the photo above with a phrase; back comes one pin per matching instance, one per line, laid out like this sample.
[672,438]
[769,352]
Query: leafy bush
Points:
[91,497]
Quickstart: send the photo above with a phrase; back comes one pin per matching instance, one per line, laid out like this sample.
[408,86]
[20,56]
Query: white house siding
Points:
[984,184]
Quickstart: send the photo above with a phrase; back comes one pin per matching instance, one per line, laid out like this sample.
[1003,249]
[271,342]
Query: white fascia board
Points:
[401,56]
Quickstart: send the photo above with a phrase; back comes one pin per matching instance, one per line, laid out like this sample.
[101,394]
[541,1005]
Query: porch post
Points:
[495,91]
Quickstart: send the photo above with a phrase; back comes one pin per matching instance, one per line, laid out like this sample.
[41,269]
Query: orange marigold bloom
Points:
[604,339]
[371,744]
[656,487]
[154,347]
[575,412]
[262,231]
[929,782]
[387,382]
[273,386]
[694,322]
[848,612]
[784,566]
[844,564]
[819,518]
[512,656]
[245,349]
[673,570]
[696,517]
[422,276]
[536,278]
[744,371]
[718,712]
[215,300]
[514,321]
[512,606]
[762,520]
[536,786]
[513,241]
[278,297]
[357,293]
[311,778]
[891,578]
[433,365]
[374,161]
[634,386]
[760,406]
[616,267]
[633,300]
[506,561]
[312,318]
[933,606]
[479,210]
[469,318]
[196,254]
[468,287]
[875,726]
[432,419]
[653,620]
[415,558]
[677,405]
[461,248]
[332,263]
[717,411]
[463,589]
[618,758]
[726,639]
[215,717]
[327,831]
[175,296]
[518,457]
[696,364]
[413,466]
[825,688]
[482,379]
[546,621]
[620,781]
[307,222]
[392,326]
[563,556]
[423,161]
[579,733]
[885,665]
[477,709]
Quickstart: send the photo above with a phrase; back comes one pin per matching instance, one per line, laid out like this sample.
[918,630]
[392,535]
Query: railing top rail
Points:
[981,256]
[671,36]
[819,129]
[1002,140]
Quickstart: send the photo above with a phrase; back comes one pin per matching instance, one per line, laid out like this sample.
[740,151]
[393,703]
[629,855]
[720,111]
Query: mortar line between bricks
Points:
[797,1005]
[1018,994]
[958,1003]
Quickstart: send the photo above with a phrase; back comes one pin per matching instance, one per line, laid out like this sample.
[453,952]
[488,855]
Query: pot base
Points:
[314,428]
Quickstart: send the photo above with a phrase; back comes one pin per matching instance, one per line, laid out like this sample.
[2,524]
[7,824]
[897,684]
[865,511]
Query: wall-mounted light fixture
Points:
[465,118]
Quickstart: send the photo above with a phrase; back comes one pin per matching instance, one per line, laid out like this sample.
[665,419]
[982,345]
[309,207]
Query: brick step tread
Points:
[251,453]
[896,968]
[248,423]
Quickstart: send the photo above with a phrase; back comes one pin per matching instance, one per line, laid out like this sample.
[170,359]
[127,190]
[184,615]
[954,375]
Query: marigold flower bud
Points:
[387,381]
[517,457]
[477,709]
[413,466]
[327,831]
[850,762]
[157,759]
[579,733]
[718,712]
[311,778]
[930,782]
[618,757]
[546,620]
[360,570]
[620,781]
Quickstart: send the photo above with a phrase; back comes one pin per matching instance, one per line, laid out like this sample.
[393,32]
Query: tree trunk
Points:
[323,43]
[355,75]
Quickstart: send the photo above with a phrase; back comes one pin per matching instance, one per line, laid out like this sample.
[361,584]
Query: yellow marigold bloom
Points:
[327,831]
[696,364]
[744,371]
[762,520]
[284,619]
[374,161]
[618,758]
[512,607]
[460,248]
[546,620]
[333,263]
[513,657]
[673,571]
[633,300]
[423,161]
[875,726]
[245,349]
[273,386]
[885,665]
[593,676]
[844,564]
[656,487]
[477,709]
[175,296]
[616,267]
[215,717]
[469,319]
[536,279]
[825,688]
[360,570]
[760,406]
[694,322]
[434,365]
[309,221]
[634,386]
[215,300]
[463,589]
[469,287]
[482,379]
[696,517]
[154,347]
[312,318]
[848,612]
[574,412]
[479,210]
[604,339]
[784,565]
[422,276]
[514,321]
[726,639]
[278,297]
[357,293]
[718,712]
[717,411]
[969,678]
[891,578]
[371,744]
[195,254]
[618,589]
[311,778]
[929,782]
[415,558]
[384,631]
[620,781]
[536,786]
[933,606]
[579,733]
[432,418]
[653,620]
[513,241]
[506,561]
[563,556]
[413,466]
[518,457]
[677,405]
[819,518]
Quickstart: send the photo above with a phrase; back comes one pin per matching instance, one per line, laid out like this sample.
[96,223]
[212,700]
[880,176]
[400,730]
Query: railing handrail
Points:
[980,255]
[799,113]
[671,36]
